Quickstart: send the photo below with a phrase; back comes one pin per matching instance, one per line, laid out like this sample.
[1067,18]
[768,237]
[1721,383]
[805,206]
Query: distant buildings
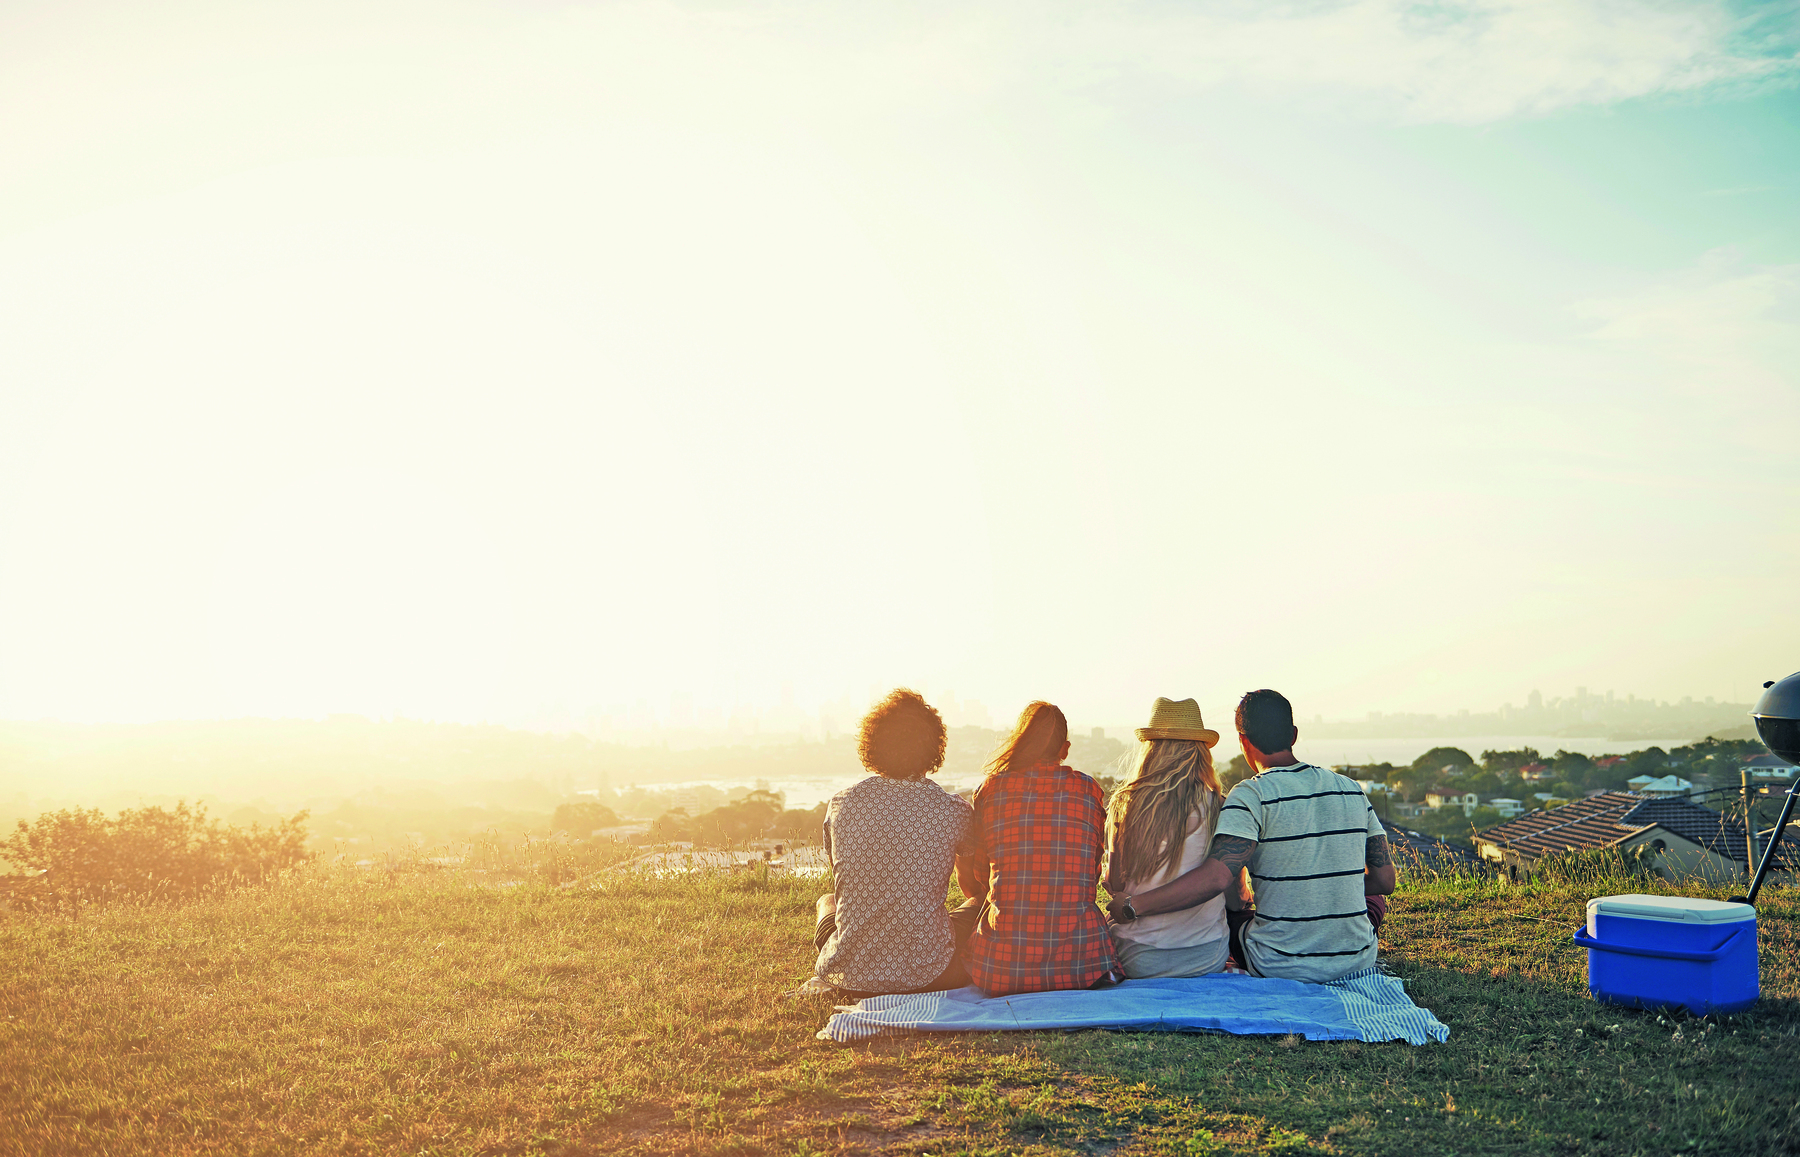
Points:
[1660,787]
[1467,801]
[1765,767]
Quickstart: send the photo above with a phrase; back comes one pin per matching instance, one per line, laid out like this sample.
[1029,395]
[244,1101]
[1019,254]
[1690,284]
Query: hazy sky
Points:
[474,360]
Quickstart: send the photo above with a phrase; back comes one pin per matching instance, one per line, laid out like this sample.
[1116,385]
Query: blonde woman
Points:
[1159,827]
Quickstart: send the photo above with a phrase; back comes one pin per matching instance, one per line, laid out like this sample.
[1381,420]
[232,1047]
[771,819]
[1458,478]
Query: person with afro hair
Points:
[892,840]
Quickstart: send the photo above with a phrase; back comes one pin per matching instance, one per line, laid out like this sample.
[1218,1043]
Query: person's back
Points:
[1042,828]
[1316,853]
[1311,827]
[1163,817]
[892,840]
[892,844]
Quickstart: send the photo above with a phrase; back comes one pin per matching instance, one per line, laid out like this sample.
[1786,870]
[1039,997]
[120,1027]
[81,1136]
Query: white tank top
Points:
[1190,926]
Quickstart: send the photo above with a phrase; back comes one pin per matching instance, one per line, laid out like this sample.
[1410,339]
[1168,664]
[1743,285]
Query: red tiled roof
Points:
[1610,816]
[1584,823]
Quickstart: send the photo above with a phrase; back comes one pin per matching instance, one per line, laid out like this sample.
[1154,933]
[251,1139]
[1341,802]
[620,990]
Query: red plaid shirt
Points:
[1042,830]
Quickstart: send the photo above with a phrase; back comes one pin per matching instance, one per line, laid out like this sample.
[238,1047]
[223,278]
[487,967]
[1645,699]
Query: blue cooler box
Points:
[1658,951]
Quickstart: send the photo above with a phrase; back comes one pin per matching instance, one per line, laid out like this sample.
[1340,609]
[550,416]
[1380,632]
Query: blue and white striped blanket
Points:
[1366,1006]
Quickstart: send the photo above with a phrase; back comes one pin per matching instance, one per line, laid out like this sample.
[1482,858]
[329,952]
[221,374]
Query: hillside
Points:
[416,1012]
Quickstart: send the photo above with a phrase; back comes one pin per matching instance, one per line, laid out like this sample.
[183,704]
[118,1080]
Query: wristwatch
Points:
[1123,912]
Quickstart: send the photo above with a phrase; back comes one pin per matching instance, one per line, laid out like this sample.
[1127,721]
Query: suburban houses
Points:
[1660,787]
[1685,838]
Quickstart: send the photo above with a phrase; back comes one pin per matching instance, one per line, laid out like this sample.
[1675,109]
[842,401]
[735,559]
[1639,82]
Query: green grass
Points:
[359,1012]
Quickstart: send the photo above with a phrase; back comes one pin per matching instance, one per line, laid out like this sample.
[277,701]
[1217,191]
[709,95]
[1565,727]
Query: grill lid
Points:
[1777,717]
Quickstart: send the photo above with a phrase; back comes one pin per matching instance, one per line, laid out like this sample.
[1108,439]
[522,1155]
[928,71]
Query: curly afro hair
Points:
[902,737]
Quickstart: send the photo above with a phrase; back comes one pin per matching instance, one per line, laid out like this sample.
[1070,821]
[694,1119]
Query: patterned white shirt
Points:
[892,845]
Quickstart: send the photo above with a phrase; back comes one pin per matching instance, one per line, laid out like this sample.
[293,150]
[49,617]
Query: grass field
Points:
[394,1012]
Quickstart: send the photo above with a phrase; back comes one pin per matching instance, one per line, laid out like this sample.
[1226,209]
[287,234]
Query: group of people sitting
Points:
[1286,876]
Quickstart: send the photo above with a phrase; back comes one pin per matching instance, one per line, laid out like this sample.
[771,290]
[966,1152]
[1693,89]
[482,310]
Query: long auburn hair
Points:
[1170,780]
[1036,739]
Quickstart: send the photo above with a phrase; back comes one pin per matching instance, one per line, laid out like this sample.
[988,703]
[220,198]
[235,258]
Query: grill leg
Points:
[1787,811]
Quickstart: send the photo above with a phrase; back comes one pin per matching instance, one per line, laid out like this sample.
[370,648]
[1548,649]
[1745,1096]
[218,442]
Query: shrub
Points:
[74,855]
[758,815]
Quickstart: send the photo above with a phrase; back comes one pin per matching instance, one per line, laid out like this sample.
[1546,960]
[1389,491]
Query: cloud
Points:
[1465,62]
[1719,340]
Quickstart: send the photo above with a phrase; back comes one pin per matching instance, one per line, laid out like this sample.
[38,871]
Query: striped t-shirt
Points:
[1311,828]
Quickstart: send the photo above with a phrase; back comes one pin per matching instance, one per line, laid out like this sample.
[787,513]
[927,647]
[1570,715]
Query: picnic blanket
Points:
[1366,1006]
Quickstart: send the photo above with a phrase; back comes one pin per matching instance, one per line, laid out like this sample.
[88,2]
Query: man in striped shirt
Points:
[1315,852]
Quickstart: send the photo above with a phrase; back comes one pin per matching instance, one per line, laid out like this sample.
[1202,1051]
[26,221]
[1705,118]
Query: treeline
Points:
[76,856]
[1571,775]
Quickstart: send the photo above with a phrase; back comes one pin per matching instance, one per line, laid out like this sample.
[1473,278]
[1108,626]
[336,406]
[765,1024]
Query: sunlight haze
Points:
[525,362]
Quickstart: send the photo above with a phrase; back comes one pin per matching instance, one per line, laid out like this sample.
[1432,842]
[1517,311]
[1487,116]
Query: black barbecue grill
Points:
[1777,718]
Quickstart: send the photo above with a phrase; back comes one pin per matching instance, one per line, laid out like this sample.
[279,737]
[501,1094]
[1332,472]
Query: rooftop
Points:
[1604,819]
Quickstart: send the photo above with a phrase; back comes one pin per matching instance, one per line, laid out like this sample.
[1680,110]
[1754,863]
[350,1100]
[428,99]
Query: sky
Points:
[523,361]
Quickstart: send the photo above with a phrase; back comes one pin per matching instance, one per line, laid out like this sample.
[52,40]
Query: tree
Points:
[582,817]
[1236,772]
[1482,783]
[1409,785]
[1508,762]
[1449,823]
[1574,768]
[1441,757]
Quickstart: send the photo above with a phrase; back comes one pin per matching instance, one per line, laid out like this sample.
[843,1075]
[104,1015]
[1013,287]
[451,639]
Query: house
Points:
[1535,773]
[1660,787]
[1768,767]
[1467,801]
[1687,839]
[1508,808]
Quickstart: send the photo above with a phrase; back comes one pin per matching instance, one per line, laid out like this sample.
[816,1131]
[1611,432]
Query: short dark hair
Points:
[902,736]
[1266,719]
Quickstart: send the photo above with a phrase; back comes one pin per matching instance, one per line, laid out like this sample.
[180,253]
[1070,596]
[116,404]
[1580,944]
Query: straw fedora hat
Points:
[1172,720]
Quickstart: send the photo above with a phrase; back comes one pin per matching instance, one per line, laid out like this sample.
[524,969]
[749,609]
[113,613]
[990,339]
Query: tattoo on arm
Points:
[1232,851]
[1378,855]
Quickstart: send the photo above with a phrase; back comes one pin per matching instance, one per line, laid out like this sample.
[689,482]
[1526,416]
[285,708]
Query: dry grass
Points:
[347,1012]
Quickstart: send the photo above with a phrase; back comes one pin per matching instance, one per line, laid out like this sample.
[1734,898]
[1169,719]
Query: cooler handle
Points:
[1583,940]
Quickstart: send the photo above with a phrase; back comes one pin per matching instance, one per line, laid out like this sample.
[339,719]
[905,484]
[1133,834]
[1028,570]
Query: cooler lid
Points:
[1679,909]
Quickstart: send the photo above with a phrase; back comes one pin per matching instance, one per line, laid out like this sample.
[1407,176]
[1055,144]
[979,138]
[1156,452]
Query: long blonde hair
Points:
[1170,781]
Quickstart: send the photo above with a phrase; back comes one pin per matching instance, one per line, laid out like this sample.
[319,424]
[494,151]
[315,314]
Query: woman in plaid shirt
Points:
[1042,827]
